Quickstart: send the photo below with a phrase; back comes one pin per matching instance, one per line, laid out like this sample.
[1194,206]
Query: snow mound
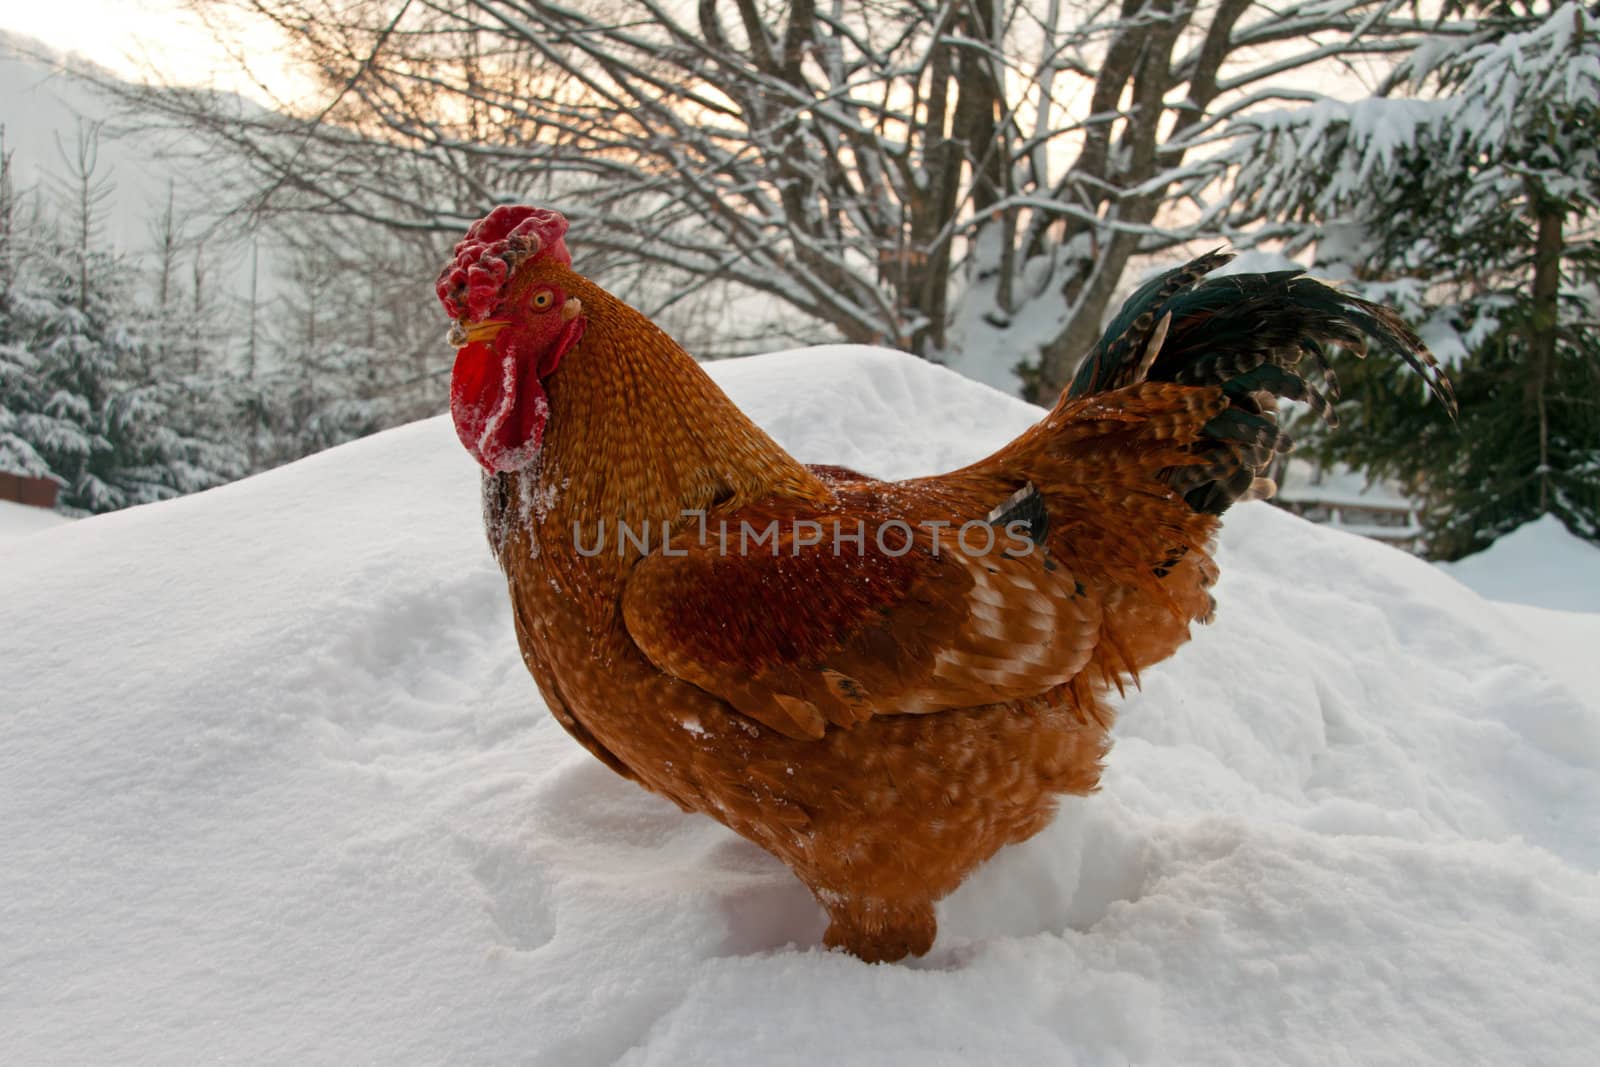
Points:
[22,520]
[1540,563]
[275,787]
[1547,583]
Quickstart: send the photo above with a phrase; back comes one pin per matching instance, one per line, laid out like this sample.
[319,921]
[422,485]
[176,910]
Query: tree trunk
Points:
[1542,323]
[842,158]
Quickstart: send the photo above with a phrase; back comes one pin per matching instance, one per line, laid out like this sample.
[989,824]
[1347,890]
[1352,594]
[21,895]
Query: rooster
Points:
[880,683]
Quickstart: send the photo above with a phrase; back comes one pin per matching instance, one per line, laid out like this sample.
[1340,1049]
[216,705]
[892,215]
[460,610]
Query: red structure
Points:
[39,492]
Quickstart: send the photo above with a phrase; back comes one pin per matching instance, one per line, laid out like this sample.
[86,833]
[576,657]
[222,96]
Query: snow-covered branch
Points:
[896,171]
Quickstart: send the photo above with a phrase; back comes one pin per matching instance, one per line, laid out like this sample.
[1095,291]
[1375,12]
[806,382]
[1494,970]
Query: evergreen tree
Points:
[108,427]
[51,367]
[88,394]
[1468,194]
[20,389]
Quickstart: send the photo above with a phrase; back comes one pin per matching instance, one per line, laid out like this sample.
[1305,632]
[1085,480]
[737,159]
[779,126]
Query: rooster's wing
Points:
[880,616]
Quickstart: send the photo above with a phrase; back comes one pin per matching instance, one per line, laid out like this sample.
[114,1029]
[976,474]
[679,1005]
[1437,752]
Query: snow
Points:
[1540,563]
[42,108]
[21,520]
[276,787]
[1547,585]
[1342,498]
[1563,642]
[1338,485]
[45,104]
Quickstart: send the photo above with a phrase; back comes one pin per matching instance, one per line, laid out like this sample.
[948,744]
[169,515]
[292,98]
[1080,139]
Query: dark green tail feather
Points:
[1249,334]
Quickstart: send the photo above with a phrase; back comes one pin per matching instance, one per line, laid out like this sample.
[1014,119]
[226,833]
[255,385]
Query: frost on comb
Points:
[496,245]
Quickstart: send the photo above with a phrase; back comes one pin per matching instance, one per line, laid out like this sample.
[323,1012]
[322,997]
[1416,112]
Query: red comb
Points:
[498,243]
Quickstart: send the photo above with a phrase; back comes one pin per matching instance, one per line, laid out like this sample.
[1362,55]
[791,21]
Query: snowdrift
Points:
[20,520]
[275,787]
[1540,564]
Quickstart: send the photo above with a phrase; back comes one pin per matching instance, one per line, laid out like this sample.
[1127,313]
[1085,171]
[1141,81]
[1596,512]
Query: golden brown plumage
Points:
[882,720]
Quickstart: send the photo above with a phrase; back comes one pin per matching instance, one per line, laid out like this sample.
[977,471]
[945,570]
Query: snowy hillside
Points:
[20,520]
[275,787]
[43,107]
[1546,584]
[1540,563]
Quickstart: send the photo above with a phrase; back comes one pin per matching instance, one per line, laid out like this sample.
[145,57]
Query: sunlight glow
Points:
[159,41]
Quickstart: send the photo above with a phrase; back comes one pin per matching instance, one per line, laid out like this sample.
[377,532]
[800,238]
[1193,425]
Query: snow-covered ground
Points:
[275,787]
[20,520]
[1547,583]
[1539,564]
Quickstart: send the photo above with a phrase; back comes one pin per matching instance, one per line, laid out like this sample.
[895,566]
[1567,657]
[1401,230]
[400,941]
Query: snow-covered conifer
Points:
[1467,193]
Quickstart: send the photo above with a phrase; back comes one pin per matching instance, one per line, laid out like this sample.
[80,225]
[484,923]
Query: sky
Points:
[155,40]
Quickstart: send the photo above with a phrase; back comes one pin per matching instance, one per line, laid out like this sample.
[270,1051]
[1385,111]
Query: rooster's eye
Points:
[543,299]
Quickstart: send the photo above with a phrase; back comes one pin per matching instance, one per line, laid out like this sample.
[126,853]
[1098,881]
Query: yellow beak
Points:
[462,333]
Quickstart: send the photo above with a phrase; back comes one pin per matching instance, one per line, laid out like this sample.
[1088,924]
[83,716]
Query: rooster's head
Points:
[513,322]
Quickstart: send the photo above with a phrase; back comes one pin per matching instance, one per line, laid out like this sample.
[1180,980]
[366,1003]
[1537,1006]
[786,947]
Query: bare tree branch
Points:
[876,165]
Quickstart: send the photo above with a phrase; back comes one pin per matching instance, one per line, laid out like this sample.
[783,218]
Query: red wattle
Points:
[499,410]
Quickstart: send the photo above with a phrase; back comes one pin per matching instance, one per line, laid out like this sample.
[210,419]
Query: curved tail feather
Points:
[1254,336]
